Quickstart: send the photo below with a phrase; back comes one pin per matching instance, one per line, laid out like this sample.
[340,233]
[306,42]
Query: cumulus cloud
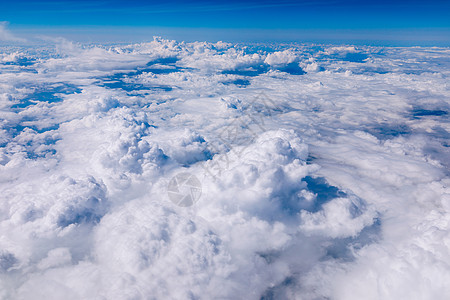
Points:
[280,58]
[329,184]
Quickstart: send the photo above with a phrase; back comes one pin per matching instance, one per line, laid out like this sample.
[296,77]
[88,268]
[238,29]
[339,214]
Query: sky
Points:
[322,170]
[249,20]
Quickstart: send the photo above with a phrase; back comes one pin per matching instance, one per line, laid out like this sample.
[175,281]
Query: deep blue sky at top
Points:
[247,14]
[232,14]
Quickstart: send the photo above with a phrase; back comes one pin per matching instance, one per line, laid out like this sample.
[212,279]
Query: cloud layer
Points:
[323,169]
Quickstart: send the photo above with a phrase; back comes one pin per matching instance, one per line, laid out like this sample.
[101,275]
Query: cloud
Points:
[329,184]
[6,35]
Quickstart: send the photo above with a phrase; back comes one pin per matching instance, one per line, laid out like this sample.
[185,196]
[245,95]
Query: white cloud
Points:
[280,58]
[331,184]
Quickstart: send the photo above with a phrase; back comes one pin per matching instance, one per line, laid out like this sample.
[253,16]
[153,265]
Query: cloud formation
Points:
[323,171]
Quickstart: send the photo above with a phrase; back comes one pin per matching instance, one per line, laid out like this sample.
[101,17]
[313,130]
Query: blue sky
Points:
[277,18]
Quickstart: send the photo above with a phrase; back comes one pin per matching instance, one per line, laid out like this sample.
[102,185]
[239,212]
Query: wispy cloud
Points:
[6,35]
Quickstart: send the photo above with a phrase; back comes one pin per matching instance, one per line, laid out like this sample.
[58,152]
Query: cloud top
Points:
[327,183]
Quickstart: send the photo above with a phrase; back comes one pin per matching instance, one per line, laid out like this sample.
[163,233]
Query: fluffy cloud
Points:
[326,184]
[280,58]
